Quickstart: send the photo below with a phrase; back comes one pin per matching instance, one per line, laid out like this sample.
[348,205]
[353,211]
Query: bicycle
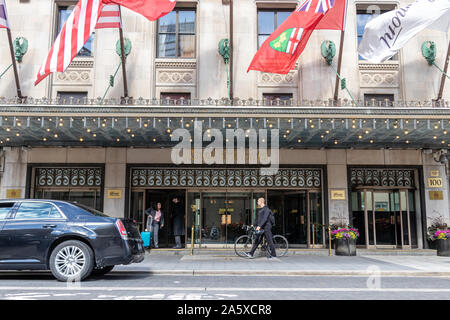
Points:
[245,242]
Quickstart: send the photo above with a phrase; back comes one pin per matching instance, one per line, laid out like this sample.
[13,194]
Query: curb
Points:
[273,273]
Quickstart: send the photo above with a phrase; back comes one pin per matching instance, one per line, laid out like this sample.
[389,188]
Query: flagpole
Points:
[231,51]
[122,55]
[447,59]
[16,75]
[341,46]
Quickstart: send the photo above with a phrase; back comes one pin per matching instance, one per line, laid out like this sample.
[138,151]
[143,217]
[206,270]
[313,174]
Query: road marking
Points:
[187,289]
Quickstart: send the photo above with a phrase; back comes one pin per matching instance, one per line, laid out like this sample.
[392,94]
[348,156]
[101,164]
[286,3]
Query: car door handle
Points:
[49,226]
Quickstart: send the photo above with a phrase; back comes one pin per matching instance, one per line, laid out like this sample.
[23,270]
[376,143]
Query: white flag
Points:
[389,32]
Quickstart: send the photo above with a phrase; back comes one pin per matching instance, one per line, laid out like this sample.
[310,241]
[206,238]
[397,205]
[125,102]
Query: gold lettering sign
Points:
[434,173]
[13,193]
[434,182]
[114,194]
[436,195]
[338,194]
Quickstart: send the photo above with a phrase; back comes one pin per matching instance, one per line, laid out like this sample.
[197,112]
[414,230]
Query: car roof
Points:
[34,200]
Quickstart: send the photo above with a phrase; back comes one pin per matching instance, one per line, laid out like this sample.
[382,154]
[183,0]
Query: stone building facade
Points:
[379,163]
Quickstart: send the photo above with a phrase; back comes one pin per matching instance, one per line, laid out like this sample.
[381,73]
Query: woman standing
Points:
[155,221]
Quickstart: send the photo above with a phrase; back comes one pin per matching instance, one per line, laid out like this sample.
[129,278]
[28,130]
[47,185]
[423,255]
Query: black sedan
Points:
[71,240]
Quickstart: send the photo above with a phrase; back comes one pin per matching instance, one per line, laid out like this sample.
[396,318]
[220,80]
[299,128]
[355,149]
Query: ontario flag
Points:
[279,53]
[151,9]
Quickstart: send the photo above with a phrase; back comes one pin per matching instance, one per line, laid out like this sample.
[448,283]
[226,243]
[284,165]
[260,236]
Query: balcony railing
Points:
[227,102]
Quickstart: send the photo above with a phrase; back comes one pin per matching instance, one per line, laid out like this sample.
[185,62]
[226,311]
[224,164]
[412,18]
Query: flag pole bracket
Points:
[224,51]
[20,48]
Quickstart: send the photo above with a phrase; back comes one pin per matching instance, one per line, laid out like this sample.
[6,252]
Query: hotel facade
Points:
[379,161]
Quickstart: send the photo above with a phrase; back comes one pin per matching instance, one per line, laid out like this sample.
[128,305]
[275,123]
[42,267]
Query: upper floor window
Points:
[366,13]
[175,97]
[378,100]
[268,21]
[176,34]
[66,97]
[63,14]
[273,99]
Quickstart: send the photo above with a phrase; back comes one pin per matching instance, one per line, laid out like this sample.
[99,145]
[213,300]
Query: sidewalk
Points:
[297,262]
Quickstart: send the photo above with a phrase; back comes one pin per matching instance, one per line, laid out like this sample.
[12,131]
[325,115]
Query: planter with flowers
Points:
[344,240]
[439,232]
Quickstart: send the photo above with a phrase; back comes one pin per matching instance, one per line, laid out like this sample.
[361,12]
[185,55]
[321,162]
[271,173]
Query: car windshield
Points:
[90,210]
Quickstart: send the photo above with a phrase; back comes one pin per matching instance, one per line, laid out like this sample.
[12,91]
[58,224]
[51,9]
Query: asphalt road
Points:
[145,286]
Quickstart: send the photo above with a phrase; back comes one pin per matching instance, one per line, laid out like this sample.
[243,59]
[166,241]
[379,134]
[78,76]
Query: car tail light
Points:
[122,230]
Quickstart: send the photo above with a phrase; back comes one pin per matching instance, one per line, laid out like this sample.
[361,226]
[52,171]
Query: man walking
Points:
[265,222]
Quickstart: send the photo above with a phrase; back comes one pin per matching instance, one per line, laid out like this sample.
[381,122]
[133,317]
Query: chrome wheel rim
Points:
[70,261]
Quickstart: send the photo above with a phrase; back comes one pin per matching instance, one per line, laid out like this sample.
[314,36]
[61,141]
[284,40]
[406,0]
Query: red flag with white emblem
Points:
[151,9]
[279,53]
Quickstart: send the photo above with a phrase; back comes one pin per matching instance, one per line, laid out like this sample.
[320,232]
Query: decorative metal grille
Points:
[69,177]
[382,177]
[191,177]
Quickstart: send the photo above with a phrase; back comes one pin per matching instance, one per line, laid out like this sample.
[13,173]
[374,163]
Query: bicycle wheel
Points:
[281,245]
[242,244]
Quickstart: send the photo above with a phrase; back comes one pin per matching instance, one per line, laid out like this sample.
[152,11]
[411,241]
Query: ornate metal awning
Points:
[144,125]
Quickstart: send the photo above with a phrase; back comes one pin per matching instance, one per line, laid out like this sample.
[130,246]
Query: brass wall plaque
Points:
[338,194]
[13,193]
[114,194]
[434,182]
[436,195]
[434,173]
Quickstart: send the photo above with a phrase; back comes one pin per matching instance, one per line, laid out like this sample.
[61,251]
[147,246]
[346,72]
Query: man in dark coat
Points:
[265,218]
[178,222]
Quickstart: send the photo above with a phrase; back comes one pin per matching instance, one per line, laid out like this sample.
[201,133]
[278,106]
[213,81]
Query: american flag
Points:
[3,15]
[87,15]
[110,17]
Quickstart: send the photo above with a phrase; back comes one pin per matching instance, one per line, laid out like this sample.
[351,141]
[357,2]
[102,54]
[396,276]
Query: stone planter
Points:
[345,247]
[443,247]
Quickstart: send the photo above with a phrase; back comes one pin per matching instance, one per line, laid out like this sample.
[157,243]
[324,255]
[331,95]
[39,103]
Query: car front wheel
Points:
[71,260]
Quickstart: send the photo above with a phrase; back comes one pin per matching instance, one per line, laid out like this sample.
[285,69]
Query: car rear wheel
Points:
[71,260]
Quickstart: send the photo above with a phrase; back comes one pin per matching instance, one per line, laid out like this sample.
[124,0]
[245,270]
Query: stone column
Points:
[337,186]
[15,172]
[115,173]
[436,189]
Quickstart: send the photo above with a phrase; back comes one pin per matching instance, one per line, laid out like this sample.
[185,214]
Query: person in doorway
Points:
[155,221]
[264,222]
[178,222]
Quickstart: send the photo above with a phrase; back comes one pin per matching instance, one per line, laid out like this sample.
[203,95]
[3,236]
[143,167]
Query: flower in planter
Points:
[345,233]
[441,235]
[439,229]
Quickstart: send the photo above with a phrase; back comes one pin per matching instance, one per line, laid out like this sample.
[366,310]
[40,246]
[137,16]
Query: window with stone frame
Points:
[175,97]
[269,20]
[66,97]
[64,12]
[274,99]
[365,13]
[176,34]
[378,100]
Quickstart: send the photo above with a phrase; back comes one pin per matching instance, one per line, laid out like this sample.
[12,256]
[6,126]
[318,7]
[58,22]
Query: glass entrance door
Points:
[222,215]
[295,214]
[385,217]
